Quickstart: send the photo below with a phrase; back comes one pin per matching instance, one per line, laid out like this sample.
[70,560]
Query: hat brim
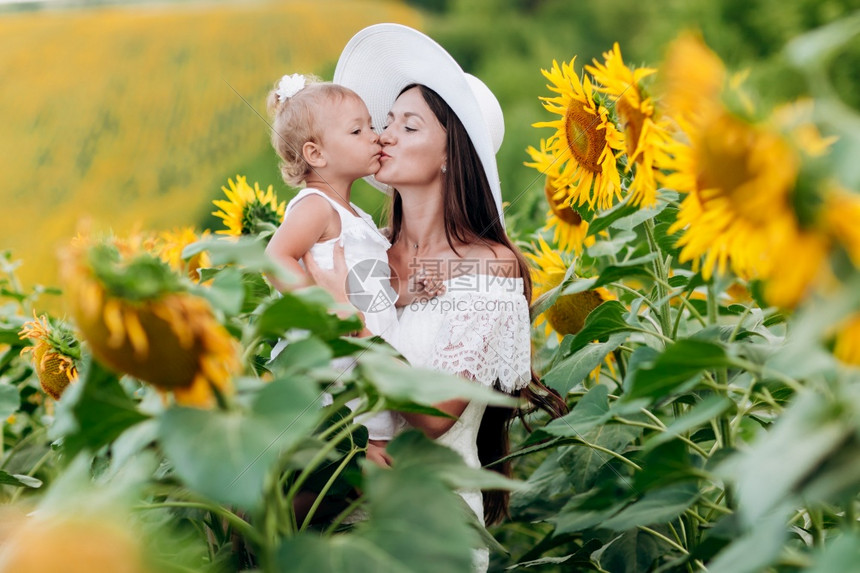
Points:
[381,60]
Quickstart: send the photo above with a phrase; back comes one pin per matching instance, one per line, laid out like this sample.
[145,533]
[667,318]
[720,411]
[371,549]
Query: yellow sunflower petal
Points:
[585,141]
[847,347]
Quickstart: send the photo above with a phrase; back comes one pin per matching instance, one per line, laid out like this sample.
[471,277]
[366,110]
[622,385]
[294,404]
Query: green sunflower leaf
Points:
[95,411]
[604,321]
[227,455]
[10,400]
[676,365]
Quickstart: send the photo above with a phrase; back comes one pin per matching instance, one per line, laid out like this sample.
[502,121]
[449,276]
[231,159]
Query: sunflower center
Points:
[584,140]
[751,169]
[568,314]
[560,204]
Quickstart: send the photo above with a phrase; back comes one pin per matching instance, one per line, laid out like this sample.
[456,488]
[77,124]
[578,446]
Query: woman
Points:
[442,129]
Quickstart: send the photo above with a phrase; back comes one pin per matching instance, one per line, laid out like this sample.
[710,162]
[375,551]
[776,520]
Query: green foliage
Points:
[231,464]
[704,432]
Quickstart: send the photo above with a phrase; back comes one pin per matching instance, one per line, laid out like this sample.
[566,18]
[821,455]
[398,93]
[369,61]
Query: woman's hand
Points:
[333,280]
[426,285]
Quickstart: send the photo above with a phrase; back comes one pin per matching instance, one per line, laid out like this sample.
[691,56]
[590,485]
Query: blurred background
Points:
[133,115]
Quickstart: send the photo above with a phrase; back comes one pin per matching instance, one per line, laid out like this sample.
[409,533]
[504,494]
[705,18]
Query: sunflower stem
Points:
[234,520]
[315,462]
[684,300]
[725,427]
[713,307]
[764,372]
[622,365]
[36,467]
[663,279]
[665,539]
[850,514]
[661,428]
[740,323]
[15,284]
[343,515]
[250,352]
[816,518]
[321,495]
[612,453]
[634,292]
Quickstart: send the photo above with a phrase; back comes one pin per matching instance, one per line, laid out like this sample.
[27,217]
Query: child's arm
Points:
[311,220]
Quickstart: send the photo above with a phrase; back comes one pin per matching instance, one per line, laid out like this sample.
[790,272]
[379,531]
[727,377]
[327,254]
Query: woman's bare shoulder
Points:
[499,259]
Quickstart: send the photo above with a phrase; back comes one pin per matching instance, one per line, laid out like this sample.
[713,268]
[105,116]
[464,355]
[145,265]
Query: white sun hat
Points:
[381,60]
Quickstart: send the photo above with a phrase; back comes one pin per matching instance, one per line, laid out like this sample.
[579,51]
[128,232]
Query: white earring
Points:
[444,168]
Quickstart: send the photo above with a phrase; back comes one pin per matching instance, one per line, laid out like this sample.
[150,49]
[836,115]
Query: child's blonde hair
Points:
[295,122]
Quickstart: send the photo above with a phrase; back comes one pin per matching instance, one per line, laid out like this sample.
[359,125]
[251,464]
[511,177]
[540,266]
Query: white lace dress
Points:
[479,328]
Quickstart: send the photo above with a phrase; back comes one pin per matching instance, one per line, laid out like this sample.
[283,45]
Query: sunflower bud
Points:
[55,354]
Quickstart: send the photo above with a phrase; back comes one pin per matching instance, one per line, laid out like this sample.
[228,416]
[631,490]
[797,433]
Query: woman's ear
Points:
[313,154]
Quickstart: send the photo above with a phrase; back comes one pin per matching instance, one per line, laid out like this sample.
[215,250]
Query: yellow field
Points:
[128,116]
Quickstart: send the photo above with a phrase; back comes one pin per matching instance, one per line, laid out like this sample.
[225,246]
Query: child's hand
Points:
[377,454]
[426,285]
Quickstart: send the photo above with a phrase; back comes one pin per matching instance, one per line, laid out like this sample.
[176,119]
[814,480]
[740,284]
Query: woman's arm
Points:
[307,223]
[435,426]
[505,264]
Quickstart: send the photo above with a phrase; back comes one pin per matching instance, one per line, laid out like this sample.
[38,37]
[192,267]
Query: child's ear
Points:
[313,154]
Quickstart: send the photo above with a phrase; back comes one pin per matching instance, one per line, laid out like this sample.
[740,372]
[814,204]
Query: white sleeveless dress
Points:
[365,251]
[480,329]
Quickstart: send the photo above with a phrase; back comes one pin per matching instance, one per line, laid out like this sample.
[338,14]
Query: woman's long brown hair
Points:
[470,216]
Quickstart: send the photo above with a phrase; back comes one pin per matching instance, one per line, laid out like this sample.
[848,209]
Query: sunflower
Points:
[248,210]
[847,346]
[585,141]
[170,244]
[567,315]
[56,353]
[570,230]
[739,201]
[644,133]
[742,209]
[138,319]
[841,214]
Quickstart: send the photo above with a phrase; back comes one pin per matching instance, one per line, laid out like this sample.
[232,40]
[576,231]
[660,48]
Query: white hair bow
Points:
[289,86]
